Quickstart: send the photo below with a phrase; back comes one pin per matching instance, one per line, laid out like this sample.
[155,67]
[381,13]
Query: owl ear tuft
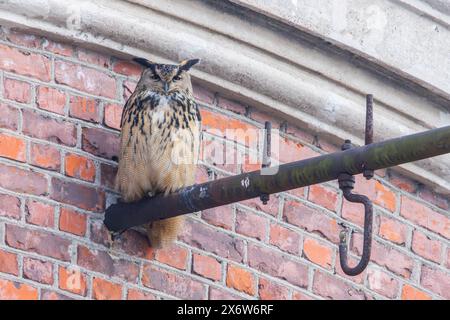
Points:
[188,63]
[144,62]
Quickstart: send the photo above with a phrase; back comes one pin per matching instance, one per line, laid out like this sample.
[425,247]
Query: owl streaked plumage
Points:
[160,140]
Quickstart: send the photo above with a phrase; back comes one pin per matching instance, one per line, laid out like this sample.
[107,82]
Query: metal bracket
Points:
[267,152]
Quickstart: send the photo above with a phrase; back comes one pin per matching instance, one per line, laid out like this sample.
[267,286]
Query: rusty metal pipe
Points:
[292,175]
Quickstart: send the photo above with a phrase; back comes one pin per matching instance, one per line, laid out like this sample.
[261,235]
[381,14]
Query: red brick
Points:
[134,294]
[44,127]
[297,295]
[448,258]
[51,99]
[425,247]
[11,290]
[53,295]
[38,270]
[101,261]
[93,58]
[8,262]
[85,79]
[201,174]
[82,196]
[215,153]
[108,175]
[40,213]
[312,221]
[208,239]
[329,287]
[22,181]
[203,95]
[174,256]
[393,230]
[271,207]
[12,147]
[113,115]
[353,212]
[58,48]
[269,290]
[220,216]
[24,63]
[84,108]
[240,279]
[385,197]
[172,283]
[385,256]
[100,143]
[9,117]
[438,200]
[79,167]
[23,39]
[132,243]
[251,225]
[9,206]
[382,283]
[17,90]
[72,222]
[352,263]
[206,267]
[425,217]
[285,239]
[318,252]
[218,294]
[290,151]
[323,196]
[40,242]
[106,290]
[45,156]
[128,89]
[402,182]
[127,68]
[231,105]
[277,265]
[411,293]
[72,280]
[436,281]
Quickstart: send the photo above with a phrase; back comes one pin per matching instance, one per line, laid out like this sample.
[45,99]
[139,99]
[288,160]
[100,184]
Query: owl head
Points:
[166,78]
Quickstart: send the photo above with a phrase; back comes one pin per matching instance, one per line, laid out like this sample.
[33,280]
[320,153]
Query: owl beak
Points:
[166,87]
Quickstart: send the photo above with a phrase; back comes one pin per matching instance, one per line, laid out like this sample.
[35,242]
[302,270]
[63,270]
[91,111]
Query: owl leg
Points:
[163,233]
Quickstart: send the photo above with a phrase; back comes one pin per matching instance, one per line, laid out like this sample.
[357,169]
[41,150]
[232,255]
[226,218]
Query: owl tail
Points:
[163,233]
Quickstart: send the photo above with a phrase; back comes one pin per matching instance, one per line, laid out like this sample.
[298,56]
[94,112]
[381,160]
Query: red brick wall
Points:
[60,108]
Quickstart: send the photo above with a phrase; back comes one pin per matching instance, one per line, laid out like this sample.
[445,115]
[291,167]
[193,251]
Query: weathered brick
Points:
[93,57]
[290,151]
[11,290]
[206,238]
[385,256]
[402,182]
[297,295]
[425,217]
[17,90]
[240,279]
[174,256]
[172,283]
[436,281]
[393,230]
[269,290]
[80,167]
[219,216]
[434,198]
[251,225]
[113,115]
[45,156]
[106,290]
[24,63]
[385,197]
[271,207]
[134,294]
[411,293]
[203,95]
[40,213]
[72,222]
[40,242]
[382,283]
[108,175]
[207,267]
[128,88]
[9,206]
[277,265]
[425,247]
[134,243]
[329,287]
[231,105]
[53,295]
[43,127]
[312,221]
[23,181]
[101,261]
[318,252]
[85,79]
[285,239]
[323,196]
[23,39]
[8,262]
[37,270]
[84,108]
[78,195]
[51,99]
[100,143]
[12,147]
[352,262]
[9,117]
[71,279]
[127,68]
[63,49]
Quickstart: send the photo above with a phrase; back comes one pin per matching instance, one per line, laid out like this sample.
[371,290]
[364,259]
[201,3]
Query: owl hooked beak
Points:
[166,87]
